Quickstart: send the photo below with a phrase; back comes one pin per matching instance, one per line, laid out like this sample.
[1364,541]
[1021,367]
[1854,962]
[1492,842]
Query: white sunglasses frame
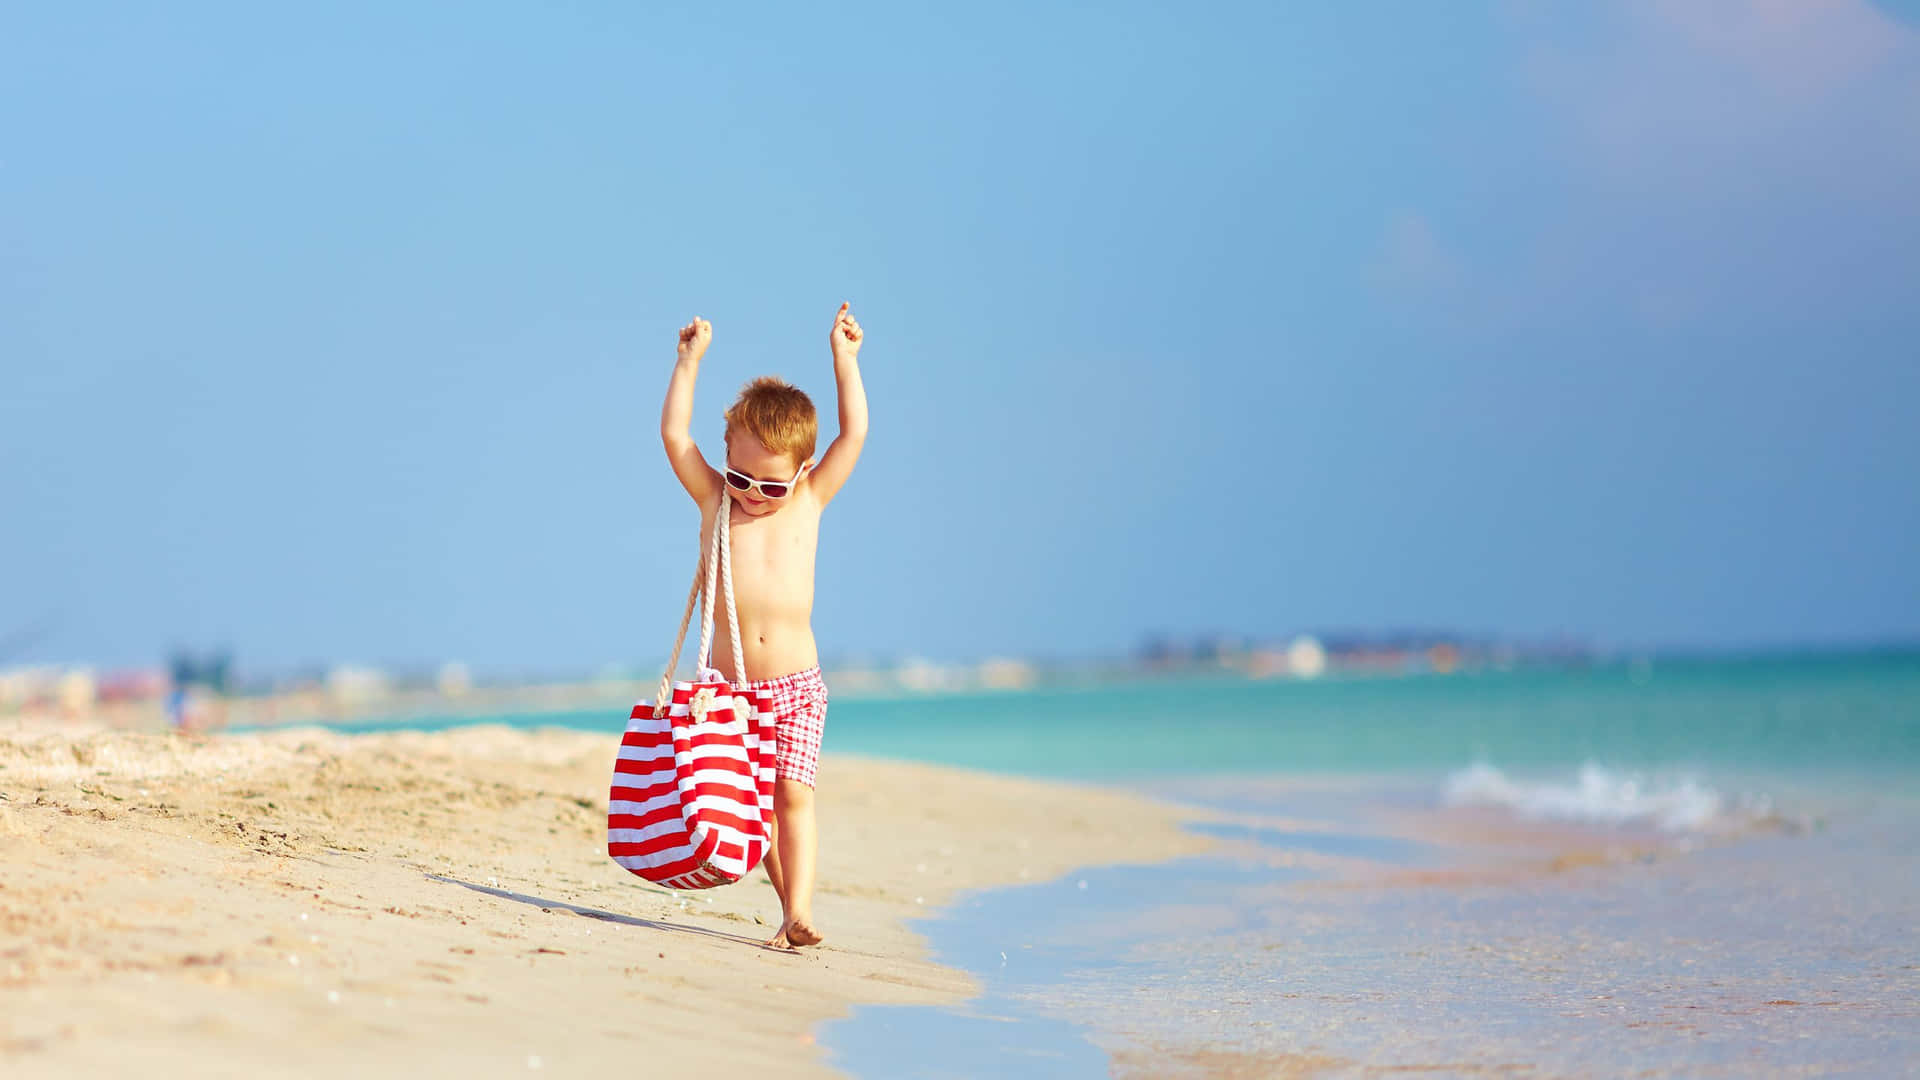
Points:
[753,485]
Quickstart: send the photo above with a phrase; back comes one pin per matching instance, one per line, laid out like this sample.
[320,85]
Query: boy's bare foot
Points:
[796,933]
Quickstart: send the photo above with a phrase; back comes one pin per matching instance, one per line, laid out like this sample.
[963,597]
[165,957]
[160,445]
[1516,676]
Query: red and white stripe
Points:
[691,805]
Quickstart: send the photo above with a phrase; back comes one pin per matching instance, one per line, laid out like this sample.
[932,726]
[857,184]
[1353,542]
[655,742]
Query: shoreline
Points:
[1470,940]
[302,900]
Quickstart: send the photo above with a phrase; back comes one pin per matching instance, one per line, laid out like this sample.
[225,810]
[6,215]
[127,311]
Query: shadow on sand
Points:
[604,916]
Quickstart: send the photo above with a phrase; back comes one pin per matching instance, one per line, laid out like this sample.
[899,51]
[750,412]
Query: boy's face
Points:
[748,456]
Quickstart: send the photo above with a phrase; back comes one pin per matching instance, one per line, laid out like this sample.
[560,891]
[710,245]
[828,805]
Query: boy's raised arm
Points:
[837,463]
[698,477]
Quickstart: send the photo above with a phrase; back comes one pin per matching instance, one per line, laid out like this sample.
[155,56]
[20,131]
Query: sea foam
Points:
[1597,795]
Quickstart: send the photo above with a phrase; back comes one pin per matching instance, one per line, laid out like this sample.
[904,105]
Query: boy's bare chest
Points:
[778,544]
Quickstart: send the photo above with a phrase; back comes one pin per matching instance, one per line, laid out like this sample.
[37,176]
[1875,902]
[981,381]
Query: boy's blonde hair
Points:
[777,413]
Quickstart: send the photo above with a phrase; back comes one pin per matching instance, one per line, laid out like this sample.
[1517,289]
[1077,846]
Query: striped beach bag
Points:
[692,800]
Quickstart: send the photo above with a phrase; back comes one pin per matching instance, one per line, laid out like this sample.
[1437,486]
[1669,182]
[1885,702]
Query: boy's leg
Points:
[797,840]
[772,862]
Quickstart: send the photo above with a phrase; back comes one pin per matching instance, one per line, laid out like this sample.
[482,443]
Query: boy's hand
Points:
[846,335]
[694,339]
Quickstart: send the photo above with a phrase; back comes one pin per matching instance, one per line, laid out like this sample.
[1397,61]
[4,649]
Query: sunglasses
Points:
[768,489]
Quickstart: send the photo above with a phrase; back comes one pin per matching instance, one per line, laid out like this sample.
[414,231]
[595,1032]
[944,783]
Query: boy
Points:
[775,493]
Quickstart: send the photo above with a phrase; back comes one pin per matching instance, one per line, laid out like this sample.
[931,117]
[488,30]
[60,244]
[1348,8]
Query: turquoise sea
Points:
[1830,714]
[1670,868]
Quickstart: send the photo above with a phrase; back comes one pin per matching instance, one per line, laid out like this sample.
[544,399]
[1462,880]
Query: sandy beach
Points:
[301,901]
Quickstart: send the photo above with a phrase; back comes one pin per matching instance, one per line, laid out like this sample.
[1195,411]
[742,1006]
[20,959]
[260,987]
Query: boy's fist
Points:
[846,334]
[694,338]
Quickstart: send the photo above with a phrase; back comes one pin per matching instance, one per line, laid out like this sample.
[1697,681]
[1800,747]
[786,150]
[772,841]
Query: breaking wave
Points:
[1602,796]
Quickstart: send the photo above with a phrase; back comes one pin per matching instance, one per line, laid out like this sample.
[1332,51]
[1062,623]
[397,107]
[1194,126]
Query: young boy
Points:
[775,493]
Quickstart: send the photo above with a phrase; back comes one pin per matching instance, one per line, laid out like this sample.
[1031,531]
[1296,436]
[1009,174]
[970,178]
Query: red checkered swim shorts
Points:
[799,717]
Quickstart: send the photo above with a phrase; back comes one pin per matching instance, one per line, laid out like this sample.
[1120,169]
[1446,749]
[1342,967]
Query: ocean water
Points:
[1842,714]
[1672,869]
[1856,714]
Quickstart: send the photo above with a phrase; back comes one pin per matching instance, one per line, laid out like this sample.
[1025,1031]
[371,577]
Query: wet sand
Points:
[299,902]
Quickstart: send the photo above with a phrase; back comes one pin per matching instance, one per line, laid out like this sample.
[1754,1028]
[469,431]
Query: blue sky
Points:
[340,335]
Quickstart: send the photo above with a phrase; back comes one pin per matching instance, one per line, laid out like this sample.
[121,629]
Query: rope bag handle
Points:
[715,571]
